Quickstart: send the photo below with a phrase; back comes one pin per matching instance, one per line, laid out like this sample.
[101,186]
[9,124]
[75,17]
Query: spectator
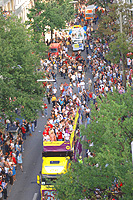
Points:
[19,161]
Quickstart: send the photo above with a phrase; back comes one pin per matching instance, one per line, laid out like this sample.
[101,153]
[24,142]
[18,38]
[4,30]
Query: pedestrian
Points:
[88,120]
[53,100]
[87,48]
[48,97]
[30,129]
[23,130]
[94,98]
[14,172]
[4,187]
[42,111]
[19,161]
[45,109]
[1,193]
[33,126]
[78,86]
[17,148]
[90,84]
[10,176]
[35,123]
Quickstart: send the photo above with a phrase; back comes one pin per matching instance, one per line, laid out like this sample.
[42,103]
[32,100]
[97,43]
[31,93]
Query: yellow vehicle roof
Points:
[76,26]
[54,165]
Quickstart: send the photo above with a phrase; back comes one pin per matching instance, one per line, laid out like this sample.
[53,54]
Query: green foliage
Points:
[51,14]
[18,70]
[110,20]
[118,47]
[111,132]
[102,4]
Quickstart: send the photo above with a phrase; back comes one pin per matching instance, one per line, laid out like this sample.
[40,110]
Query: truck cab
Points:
[54,49]
[47,189]
[90,12]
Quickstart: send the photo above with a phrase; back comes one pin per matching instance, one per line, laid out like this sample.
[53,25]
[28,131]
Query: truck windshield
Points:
[77,41]
[89,14]
[56,154]
[53,50]
[48,181]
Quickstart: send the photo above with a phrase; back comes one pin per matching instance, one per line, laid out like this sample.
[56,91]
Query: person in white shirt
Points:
[66,136]
[80,68]
[82,85]
[74,96]
[46,137]
[90,84]
[54,91]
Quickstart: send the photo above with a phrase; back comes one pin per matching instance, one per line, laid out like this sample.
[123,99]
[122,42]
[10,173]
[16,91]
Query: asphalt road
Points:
[25,186]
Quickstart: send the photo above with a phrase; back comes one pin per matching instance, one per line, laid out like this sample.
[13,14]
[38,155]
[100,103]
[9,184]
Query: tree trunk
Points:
[44,36]
[123,68]
[52,34]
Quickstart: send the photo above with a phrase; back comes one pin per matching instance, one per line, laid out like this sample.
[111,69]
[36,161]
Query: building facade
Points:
[17,7]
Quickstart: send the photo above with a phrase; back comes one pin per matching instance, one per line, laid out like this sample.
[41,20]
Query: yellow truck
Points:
[56,158]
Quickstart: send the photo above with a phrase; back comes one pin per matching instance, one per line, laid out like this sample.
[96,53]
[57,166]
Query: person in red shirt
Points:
[0,179]
[112,80]
[23,130]
[59,134]
[45,109]
[46,130]
[90,95]
[121,184]
[14,159]
[103,89]
[50,125]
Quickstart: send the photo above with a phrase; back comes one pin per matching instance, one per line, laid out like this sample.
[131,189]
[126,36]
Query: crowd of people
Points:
[74,92]
[106,77]
[11,150]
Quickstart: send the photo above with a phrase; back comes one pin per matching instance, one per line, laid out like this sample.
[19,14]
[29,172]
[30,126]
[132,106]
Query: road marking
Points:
[35,196]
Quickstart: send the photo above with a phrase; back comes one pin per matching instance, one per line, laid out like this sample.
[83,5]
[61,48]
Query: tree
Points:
[102,4]
[18,83]
[50,14]
[109,29]
[119,48]
[111,133]
[110,20]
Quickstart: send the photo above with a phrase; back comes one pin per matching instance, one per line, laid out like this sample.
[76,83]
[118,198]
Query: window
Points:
[53,50]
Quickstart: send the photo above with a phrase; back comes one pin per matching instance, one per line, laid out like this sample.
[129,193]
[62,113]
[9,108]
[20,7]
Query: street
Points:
[25,187]
[105,80]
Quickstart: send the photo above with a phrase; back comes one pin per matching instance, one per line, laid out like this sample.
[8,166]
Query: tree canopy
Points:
[50,15]
[18,75]
[111,133]
[109,29]
[110,21]
[119,48]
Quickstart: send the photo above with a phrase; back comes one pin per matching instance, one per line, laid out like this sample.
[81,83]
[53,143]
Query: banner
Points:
[74,128]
